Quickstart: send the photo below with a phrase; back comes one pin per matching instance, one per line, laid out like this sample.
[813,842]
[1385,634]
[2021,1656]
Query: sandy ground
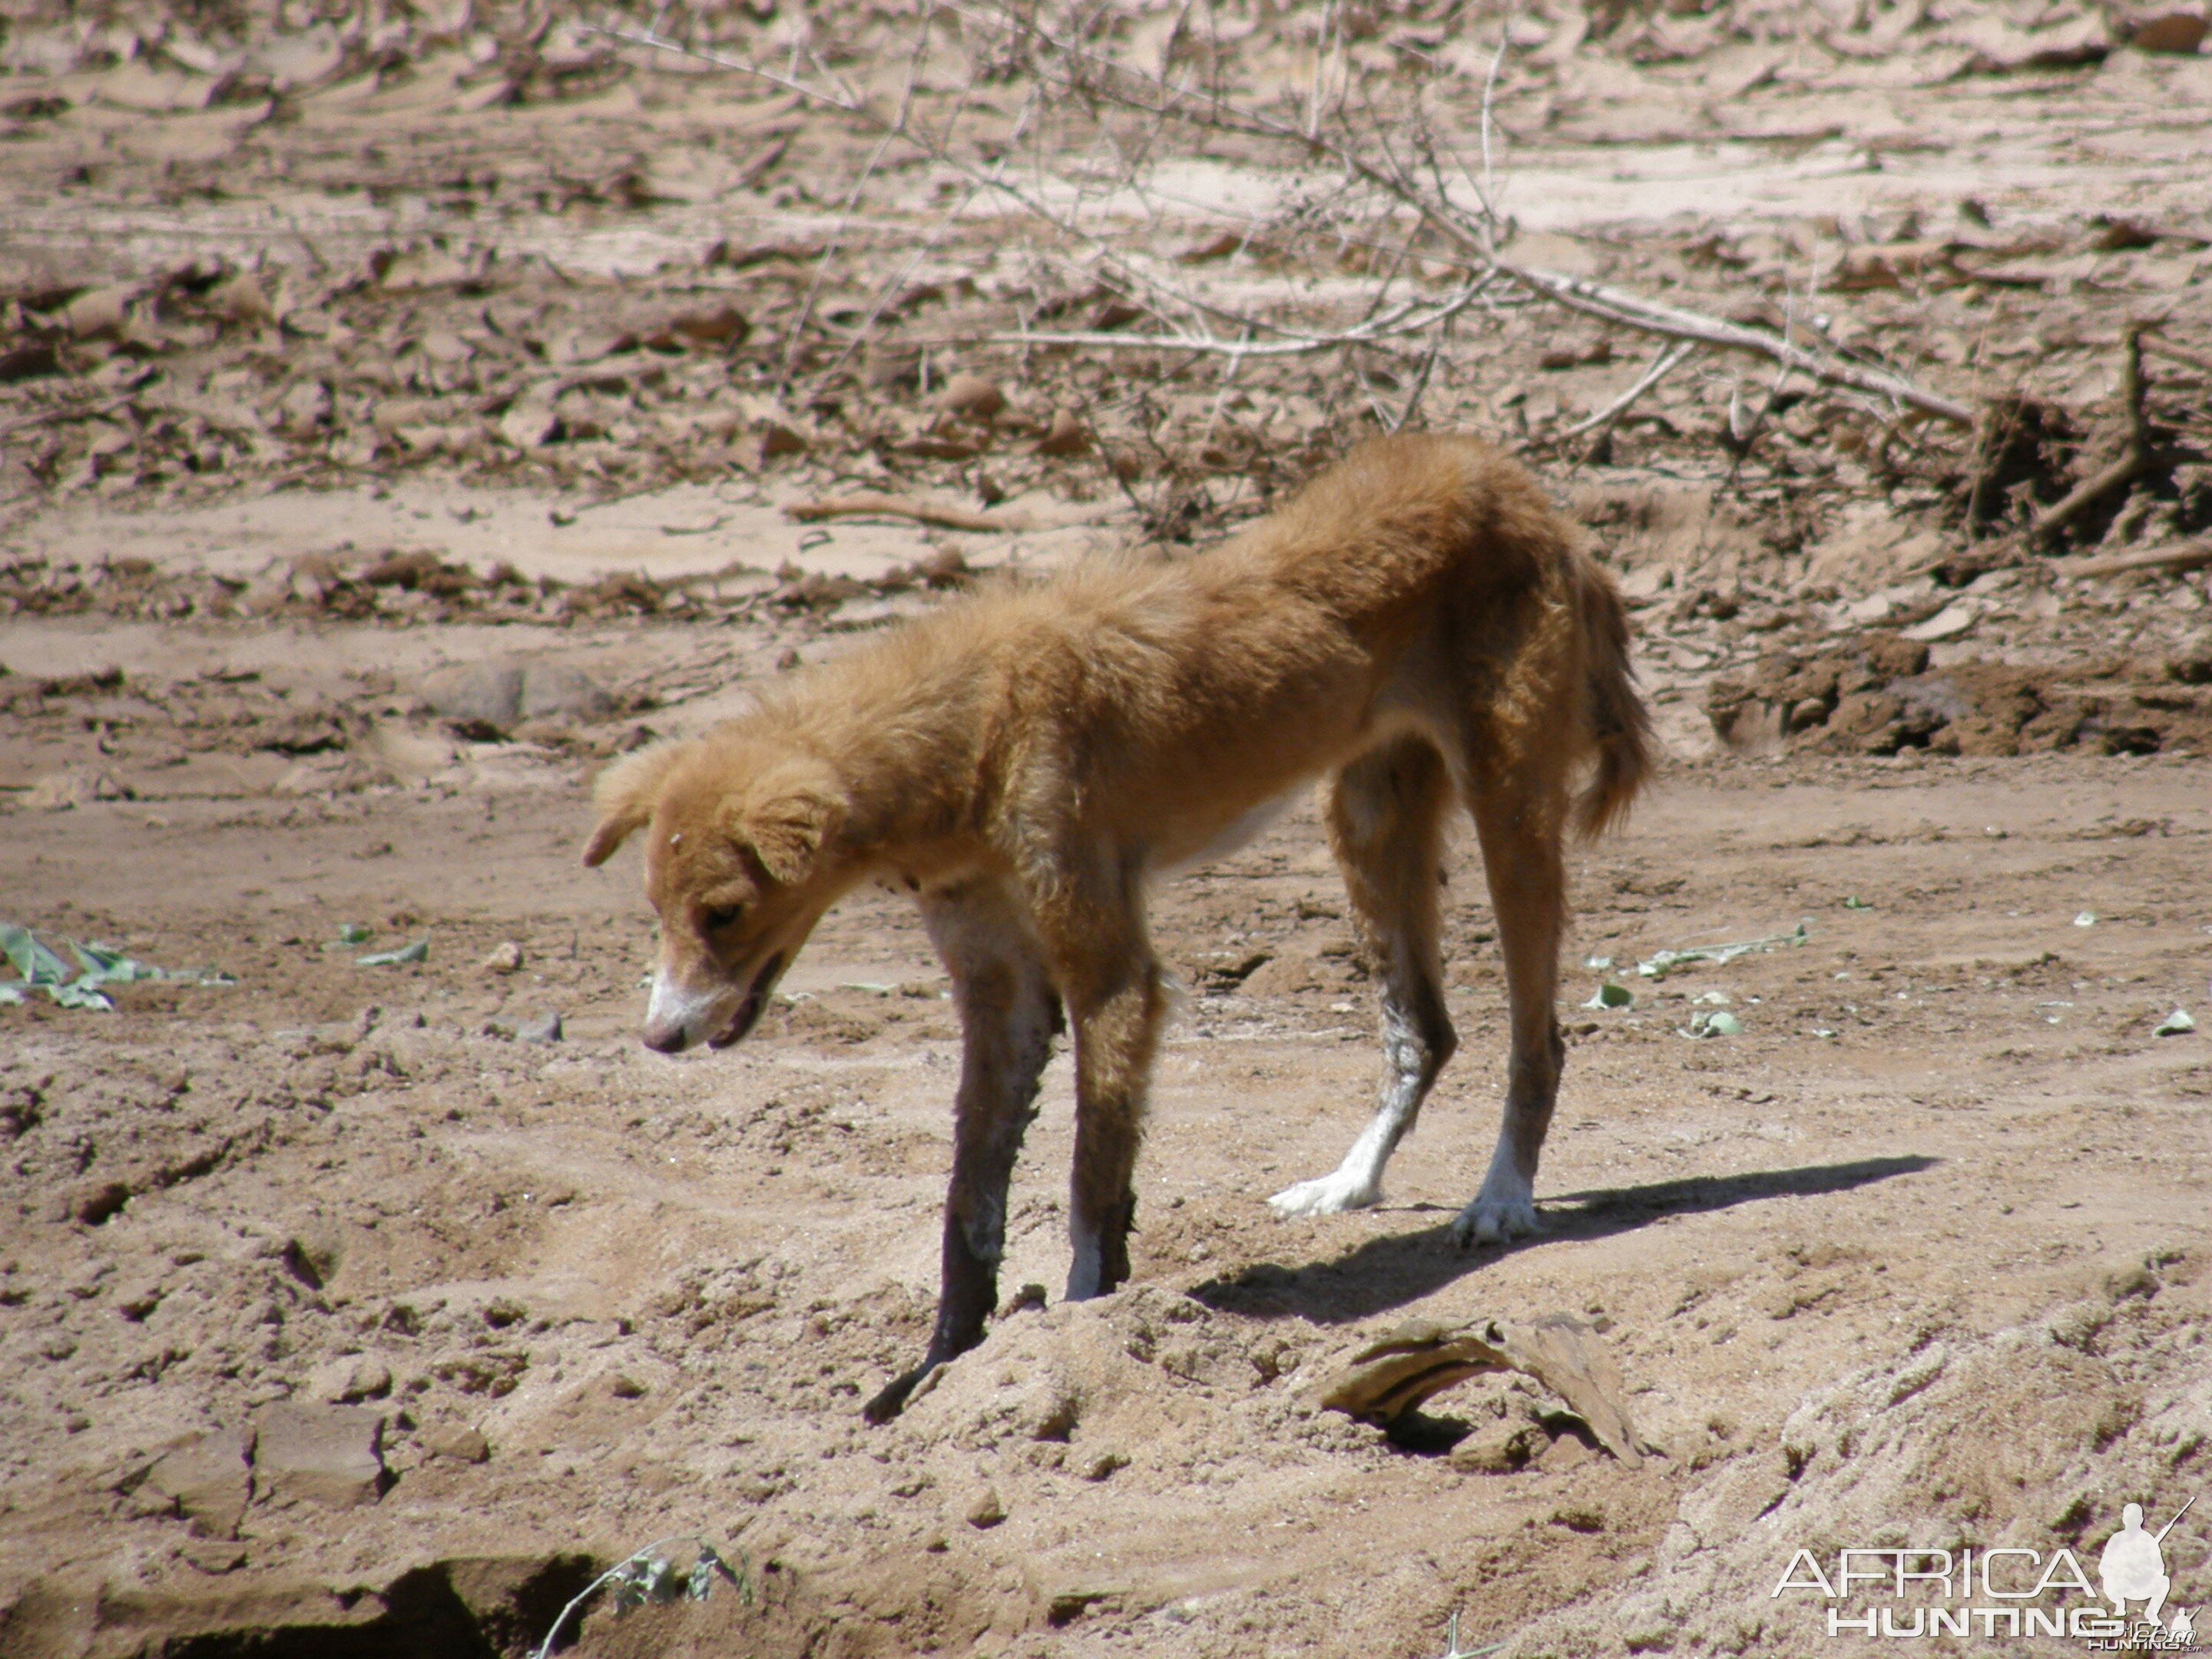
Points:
[341,1312]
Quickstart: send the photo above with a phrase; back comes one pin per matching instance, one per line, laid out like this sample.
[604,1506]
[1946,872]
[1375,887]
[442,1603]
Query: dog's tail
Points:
[1619,724]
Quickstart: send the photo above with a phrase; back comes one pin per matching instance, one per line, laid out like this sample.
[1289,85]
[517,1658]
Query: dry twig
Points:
[2135,459]
[2179,354]
[900,507]
[2183,556]
[1669,359]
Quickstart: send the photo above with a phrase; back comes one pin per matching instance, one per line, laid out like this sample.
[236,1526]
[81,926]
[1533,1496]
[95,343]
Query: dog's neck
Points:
[908,776]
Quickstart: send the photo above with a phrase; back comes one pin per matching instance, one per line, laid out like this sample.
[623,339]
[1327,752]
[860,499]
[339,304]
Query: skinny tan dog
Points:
[1417,624]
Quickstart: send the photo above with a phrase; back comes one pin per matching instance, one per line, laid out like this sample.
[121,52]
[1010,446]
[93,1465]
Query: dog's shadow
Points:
[1403,1268]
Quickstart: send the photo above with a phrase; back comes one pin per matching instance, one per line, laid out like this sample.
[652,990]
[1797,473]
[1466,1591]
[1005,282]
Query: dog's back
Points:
[1424,580]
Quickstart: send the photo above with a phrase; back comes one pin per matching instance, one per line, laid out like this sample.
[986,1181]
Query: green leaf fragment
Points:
[1711,1023]
[2174,1024]
[1609,995]
[44,968]
[355,933]
[1855,902]
[1659,965]
[418,952]
[34,961]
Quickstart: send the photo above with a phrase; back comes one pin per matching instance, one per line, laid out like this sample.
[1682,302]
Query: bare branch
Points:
[900,507]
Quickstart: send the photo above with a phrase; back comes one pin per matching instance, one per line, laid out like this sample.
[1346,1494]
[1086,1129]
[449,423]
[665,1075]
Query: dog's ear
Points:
[787,816]
[625,795]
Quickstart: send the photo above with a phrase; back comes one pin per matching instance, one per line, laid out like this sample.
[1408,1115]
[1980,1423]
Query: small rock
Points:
[985,1511]
[626,1388]
[1497,1447]
[1065,437]
[770,439]
[328,1455]
[60,792]
[1953,620]
[1887,264]
[99,313]
[505,959]
[2168,25]
[530,422]
[350,1379]
[138,1299]
[715,324]
[541,1027]
[489,694]
[972,397]
[1868,611]
[241,298]
[553,691]
[206,1480]
[2191,661]
[456,1441]
[549,735]
[214,1555]
[1098,1465]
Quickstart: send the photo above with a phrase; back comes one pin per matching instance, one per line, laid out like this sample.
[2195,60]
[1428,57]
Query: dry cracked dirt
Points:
[403,412]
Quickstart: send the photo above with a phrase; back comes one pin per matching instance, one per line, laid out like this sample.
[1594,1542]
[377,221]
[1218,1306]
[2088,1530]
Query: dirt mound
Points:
[464,1607]
[2031,1438]
[1878,694]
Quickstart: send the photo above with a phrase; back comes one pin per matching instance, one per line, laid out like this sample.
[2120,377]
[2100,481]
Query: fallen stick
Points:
[1406,318]
[900,507]
[1650,317]
[60,412]
[2183,556]
[1606,418]
[2134,460]
[2179,354]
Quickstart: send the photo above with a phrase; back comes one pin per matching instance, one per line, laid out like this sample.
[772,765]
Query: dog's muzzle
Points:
[677,1018]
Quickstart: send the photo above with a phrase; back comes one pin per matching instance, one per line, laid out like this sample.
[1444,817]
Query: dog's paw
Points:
[1329,1194]
[1493,1218]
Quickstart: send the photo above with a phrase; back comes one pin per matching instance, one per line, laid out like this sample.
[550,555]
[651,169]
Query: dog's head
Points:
[740,862]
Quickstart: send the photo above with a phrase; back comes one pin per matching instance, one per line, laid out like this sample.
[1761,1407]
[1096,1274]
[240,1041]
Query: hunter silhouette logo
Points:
[2005,1591]
[2133,1568]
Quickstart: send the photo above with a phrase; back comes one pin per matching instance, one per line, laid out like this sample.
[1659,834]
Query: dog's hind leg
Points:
[1009,1012]
[1521,818]
[1095,932]
[1385,814]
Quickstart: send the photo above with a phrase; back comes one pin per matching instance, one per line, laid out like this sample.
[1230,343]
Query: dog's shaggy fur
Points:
[1417,625]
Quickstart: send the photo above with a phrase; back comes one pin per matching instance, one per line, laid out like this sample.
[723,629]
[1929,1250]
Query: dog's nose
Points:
[666,1040]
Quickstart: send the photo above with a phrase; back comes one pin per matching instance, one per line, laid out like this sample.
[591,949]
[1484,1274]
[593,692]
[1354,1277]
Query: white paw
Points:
[1495,1217]
[1329,1194]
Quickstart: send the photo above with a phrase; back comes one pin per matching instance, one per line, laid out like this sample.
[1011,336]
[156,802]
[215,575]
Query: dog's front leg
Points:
[1115,1001]
[1008,1012]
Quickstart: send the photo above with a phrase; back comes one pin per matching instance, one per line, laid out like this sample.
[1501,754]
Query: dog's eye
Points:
[715,918]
